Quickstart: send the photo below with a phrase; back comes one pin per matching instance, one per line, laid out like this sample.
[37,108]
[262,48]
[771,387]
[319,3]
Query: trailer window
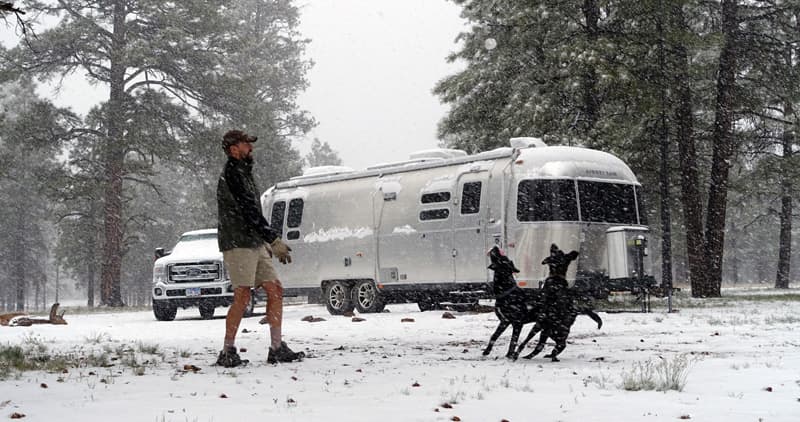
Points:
[437,214]
[295,215]
[429,198]
[642,208]
[276,219]
[547,200]
[607,202]
[471,198]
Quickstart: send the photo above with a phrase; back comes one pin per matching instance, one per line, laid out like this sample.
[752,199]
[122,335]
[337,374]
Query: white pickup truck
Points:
[192,274]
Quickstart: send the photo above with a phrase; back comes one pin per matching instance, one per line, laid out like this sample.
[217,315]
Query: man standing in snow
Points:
[248,243]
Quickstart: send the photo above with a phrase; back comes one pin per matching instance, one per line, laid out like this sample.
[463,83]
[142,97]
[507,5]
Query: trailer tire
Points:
[337,297]
[164,310]
[428,305]
[206,310]
[367,298]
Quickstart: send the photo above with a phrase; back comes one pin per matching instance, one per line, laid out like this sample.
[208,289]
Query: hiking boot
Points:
[229,358]
[284,354]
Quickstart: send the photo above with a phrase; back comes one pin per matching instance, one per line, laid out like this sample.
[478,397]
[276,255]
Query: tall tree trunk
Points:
[37,292]
[114,161]
[785,242]
[19,275]
[91,270]
[687,157]
[722,153]
[666,202]
[734,257]
[591,13]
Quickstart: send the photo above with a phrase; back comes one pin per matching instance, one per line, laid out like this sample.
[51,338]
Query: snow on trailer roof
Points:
[320,171]
[549,161]
[443,153]
[397,167]
[574,162]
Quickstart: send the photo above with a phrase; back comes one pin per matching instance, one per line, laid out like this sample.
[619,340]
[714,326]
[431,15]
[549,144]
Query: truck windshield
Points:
[196,241]
[202,236]
[607,202]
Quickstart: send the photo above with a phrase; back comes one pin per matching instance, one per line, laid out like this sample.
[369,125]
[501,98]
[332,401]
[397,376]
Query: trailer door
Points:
[469,228]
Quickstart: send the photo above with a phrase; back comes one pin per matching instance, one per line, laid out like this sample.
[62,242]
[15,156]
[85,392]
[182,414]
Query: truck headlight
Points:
[159,274]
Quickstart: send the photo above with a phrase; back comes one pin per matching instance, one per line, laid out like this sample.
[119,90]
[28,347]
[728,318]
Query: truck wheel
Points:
[367,298]
[164,310]
[206,310]
[337,298]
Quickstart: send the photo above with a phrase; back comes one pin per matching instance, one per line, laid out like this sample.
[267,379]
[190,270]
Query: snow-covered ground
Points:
[743,365]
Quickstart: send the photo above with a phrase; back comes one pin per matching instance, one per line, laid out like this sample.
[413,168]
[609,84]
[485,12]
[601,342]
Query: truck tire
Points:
[164,310]
[367,298]
[337,298]
[206,310]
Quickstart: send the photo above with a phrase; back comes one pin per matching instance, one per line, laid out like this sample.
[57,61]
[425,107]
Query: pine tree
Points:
[696,79]
[29,133]
[170,68]
[322,154]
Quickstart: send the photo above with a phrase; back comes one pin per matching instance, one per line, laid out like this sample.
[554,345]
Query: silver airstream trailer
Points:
[418,230]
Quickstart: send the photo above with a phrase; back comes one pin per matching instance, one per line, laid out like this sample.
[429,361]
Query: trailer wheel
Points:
[337,298]
[164,310]
[367,298]
[428,305]
[206,310]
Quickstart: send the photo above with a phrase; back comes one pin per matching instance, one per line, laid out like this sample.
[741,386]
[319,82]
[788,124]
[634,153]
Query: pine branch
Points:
[22,24]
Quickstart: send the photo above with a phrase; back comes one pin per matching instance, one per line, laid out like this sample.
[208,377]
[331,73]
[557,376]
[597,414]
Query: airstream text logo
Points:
[600,172]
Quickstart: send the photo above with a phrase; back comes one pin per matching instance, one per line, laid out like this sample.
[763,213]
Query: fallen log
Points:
[6,318]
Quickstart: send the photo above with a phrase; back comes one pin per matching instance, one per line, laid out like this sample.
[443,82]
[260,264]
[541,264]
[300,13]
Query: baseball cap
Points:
[235,136]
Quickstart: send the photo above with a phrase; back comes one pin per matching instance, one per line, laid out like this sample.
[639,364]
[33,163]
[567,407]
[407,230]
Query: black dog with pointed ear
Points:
[513,306]
[504,270]
[559,308]
[558,261]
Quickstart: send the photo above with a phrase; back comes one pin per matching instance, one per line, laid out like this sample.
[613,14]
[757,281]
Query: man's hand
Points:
[281,250]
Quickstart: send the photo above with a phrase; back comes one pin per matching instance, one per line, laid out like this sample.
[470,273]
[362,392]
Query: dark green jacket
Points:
[241,223]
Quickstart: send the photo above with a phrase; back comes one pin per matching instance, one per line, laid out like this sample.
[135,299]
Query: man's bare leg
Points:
[241,298]
[274,316]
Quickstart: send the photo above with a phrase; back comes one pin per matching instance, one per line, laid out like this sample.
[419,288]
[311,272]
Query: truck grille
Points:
[193,272]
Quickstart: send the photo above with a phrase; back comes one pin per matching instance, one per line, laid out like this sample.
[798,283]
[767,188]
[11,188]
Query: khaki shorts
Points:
[246,266]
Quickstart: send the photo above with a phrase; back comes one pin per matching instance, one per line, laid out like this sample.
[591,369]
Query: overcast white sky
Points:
[376,62]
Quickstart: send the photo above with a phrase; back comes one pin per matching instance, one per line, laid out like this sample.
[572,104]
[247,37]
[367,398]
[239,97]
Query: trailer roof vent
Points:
[441,153]
[527,142]
[320,171]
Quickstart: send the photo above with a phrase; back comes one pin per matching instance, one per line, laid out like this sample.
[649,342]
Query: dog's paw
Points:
[554,359]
